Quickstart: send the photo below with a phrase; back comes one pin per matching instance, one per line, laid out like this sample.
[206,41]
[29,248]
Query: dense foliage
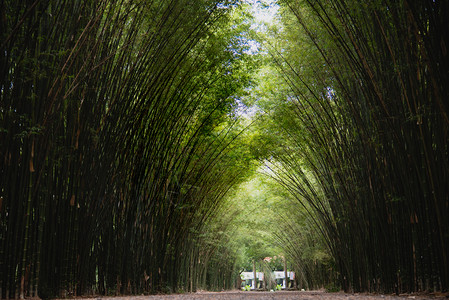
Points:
[362,121]
[276,234]
[117,142]
[127,159]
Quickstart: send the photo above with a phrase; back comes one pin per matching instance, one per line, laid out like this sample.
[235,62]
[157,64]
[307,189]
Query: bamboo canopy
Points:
[365,128]
[111,160]
[120,141]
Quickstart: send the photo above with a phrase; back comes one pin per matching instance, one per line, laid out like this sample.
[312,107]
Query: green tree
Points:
[361,148]
[117,141]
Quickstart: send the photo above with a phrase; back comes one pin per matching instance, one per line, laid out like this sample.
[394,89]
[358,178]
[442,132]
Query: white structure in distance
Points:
[277,275]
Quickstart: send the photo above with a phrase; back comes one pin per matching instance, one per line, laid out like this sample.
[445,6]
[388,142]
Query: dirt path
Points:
[290,295]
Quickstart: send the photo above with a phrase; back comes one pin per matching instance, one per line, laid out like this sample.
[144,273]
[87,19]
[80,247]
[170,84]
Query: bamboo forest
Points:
[167,146]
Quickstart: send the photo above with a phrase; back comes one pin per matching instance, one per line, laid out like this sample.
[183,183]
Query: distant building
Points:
[248,279]
[278,276]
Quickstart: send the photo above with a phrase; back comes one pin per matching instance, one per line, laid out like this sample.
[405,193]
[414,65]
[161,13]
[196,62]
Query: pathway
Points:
[287,295]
